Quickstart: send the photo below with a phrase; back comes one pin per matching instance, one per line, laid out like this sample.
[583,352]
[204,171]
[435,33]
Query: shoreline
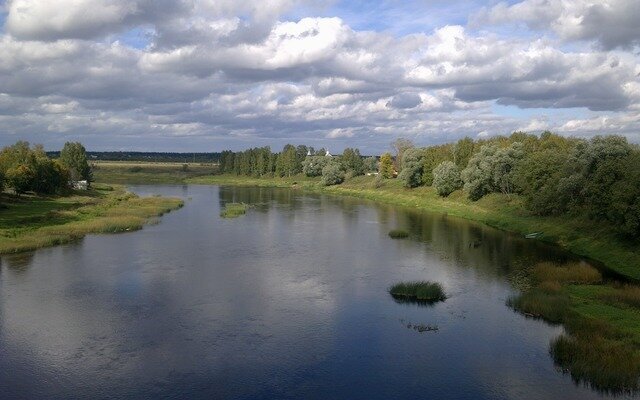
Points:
[33,222]
[577,235]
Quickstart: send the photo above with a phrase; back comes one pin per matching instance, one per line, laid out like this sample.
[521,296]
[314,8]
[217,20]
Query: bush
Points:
[446,178]
[332,174]
[313,165]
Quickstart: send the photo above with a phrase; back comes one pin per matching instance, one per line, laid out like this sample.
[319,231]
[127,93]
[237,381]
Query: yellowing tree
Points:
[386,166]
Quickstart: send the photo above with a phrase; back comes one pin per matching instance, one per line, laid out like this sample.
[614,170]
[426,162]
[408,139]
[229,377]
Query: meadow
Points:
[29,222]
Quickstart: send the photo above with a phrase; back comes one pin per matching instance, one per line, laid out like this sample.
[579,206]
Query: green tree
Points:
[332,174]
[21,178]
[386,166]
[371,164]
[352,161]
[74,157]
[446,178]
[412,165]
[462,152]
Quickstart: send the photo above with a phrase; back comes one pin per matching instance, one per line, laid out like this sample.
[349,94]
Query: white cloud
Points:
[239,73]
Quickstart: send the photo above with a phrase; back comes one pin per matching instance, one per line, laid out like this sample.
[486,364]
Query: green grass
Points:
[398,234]
[424,291]
[575,233]
[233,210]
[32,222]
[148,172]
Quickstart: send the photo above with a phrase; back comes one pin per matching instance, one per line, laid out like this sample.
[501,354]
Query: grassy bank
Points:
[32,222]
[601,343]
[119,172]
[575,233]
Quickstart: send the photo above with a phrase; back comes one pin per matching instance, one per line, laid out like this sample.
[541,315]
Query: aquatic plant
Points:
[398,234]
[233,210]
[418,290]
[541,303]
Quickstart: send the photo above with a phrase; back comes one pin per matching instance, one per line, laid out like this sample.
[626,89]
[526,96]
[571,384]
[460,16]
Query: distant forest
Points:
[147,156]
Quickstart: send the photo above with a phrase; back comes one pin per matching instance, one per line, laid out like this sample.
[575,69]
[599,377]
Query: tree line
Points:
[25,168]
[554,175]
[293,160]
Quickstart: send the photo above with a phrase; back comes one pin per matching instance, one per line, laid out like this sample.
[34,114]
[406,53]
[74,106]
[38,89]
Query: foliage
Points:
[371,164]
[74,157]
[27,169]
[446,178]
[411,171]
[313,165]
[400,146]
[352,162]
[462,152]
[386,166]
[492,170]
[332,174]
[432,156]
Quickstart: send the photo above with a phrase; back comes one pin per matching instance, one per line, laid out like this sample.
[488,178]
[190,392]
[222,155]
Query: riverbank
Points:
[33,222]
[574,233]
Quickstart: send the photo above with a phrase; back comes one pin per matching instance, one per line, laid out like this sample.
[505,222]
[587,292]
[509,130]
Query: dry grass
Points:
[628,295]
[565,274]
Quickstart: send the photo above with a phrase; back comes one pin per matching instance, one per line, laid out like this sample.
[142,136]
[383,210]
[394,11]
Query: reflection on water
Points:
[289,301]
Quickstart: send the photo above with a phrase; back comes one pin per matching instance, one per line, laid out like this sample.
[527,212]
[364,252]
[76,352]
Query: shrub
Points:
[332,174]
[446,178]
[313,165]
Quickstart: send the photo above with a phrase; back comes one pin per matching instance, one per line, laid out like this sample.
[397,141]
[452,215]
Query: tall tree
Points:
[386,166]
[399,146]
[74,157]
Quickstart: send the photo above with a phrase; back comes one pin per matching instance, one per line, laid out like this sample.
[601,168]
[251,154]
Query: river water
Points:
[287,302]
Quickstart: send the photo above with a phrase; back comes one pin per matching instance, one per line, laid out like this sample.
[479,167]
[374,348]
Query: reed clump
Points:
[398,234]
[424,291]
[572,273]
[233,210]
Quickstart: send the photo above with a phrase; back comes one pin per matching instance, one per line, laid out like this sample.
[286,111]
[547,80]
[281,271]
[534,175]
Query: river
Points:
[287,302]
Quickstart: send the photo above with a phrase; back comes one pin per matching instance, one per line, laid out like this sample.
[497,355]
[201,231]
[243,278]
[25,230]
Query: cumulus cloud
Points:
[236,74]
[612,23]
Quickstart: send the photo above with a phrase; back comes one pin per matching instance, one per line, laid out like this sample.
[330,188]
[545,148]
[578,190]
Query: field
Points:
[148,172]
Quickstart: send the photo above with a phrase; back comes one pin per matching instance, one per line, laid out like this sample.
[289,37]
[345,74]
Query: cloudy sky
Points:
[205,75]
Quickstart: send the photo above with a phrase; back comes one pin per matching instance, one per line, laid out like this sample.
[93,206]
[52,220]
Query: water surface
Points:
[288,301]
